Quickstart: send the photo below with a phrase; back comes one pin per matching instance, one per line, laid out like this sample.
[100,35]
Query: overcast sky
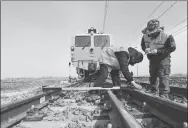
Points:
[36,35]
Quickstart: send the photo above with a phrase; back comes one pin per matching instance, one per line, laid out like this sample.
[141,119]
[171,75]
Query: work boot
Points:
[153,91]
[163,95]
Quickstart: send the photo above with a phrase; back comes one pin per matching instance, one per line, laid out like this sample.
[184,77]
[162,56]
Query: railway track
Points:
[118,107]
[178,91]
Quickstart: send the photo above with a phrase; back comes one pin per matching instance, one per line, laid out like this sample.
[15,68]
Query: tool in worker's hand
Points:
[134,85]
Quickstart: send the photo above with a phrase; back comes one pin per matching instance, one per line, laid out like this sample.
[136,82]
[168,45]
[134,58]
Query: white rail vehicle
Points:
[86,49]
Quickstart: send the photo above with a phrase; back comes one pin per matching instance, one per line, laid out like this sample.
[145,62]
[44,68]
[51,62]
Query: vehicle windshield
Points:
[82,41]
[101,41]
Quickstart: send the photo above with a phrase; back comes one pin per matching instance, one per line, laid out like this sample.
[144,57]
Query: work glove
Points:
[147,50]
[153,52]
[135,85]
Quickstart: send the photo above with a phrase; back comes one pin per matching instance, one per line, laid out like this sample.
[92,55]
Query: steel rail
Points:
[127,120]
[13,111]
[179,91]
[173,113]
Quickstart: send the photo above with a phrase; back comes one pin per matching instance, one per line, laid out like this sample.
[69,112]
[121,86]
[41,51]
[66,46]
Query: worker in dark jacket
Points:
[113,59]
[158,46]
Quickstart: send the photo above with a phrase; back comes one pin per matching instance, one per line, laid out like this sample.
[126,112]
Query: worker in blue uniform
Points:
[158,46]
[113,59]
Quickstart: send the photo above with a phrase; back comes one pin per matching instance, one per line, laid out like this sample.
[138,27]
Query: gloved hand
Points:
[137,86]
[153,52]
[147,51]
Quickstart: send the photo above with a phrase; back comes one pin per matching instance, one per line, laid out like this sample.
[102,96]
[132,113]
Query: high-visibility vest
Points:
[108,57]
[155,43]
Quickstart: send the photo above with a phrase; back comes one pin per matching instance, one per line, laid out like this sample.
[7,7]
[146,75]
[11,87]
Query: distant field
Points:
[25,83]
[174,81]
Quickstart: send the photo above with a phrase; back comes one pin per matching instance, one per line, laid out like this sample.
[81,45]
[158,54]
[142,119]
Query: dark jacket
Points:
[163,54]
[123,59]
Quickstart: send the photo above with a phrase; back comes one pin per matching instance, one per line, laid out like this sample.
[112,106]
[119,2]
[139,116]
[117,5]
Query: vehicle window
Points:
[82,41]
[101,41]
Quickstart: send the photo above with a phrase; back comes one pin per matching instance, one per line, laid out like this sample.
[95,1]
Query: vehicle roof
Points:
[90,34]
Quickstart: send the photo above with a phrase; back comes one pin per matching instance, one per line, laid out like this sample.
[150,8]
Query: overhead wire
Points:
[177,24]
[167,10]
[105,14]
[179,29]
[155,9]
[179,32]
[150,15]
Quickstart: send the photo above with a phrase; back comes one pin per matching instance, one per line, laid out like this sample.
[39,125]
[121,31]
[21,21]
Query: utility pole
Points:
[137,70]
[69,71]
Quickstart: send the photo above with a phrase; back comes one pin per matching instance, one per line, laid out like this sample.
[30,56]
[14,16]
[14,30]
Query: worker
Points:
[113,59]
[158,46]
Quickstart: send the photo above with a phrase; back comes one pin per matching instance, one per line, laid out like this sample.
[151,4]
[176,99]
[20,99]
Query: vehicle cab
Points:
[86,49]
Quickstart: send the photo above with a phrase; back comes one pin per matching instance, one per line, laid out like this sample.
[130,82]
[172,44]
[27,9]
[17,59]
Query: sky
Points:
[36,35]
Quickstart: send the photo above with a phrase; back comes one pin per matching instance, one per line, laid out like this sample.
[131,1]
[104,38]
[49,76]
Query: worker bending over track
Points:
[113,59]
[158,46]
